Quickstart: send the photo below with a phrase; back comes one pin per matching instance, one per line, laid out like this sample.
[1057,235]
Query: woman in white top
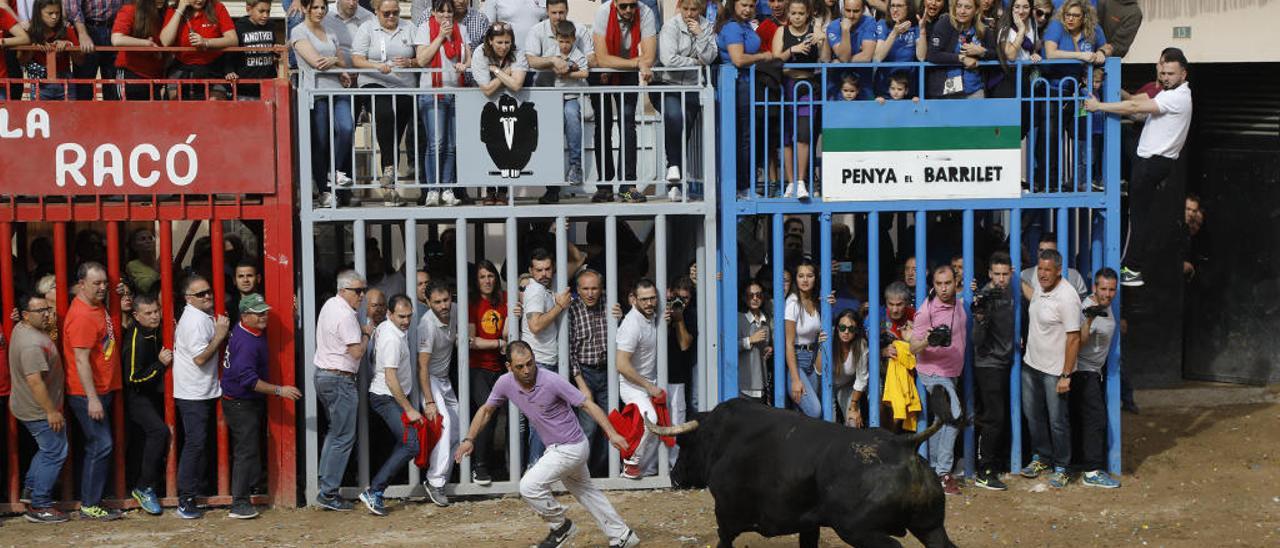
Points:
[495,66]
[441,46]
[386,44]
[318,50]
[804,335]
[850,372]
[755,346]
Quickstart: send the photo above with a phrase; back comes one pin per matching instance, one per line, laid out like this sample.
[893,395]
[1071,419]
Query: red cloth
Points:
[630,423]
[613,34]
[766,31]
[199,22]
[429,433]
[7,21]
[451,48]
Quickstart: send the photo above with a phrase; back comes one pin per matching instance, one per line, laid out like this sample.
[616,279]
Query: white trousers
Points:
[441,461]
[646,454]
[567,463]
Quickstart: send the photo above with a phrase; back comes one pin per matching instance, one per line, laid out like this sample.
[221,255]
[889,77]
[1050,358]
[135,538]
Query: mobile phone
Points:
[844,266]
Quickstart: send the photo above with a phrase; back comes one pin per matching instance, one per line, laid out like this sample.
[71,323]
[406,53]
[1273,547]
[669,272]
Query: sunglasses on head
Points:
[201,294]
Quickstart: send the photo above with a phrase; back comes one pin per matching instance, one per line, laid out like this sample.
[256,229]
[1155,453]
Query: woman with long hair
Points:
[138,25]
[440,46]
[1074,34]
[740,46]
[1017,41]
[798,42]
[897,38]
[49,30]
[850,370]
[487,312]
[929,13]
[755,345]
[386,44]
[206,26]
[960,39]
[332,127]
[803,327]
[495,66]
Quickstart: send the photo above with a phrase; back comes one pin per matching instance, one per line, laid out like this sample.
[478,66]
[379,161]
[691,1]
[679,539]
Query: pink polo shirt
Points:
[936,360]
[336,328]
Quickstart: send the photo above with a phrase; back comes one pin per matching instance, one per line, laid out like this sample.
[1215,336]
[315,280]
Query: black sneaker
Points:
[628,540]
[481,477]
[336,504]
[189,510]
[602,195]
[560,535]
[990,480]
[45,515]
[242,510]
[1130,278]
[550,197]
[632,196]
[437,496]
[464,198]
[99,513]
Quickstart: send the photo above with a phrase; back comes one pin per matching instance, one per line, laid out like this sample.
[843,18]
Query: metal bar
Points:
[968,393]
[411,290]
[780,374]
[561,284]
[824,314]
[61,296]
[113,306]
[611,292]
[513,321]
[462,235]
[1015,372]
[873,396]
[922,282]
[660,253]
[166,332]
[219,308]
[359,258]
[7,298]
[1111,226]
[311,421]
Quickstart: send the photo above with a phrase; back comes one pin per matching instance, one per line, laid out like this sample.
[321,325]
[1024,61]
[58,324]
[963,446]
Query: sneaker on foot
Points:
[189,510]
[628,540]
[148,501]
[1059,478]
[45,515]
[949,485]
[99,513]
[433,198]
[631,469]
[336,504]
[560,535]
[674,194]
[481,477]
[1033,470]
[388,177]
[602,195]
[790,192]
[242,510]
[327,199]
[1130,278]
[447,198]
[575,175]
[551,196]
[1099,478]
[990,480]
[632,196]
[436,494]
[340,179]
[373,501]
[802,192]
[673,174]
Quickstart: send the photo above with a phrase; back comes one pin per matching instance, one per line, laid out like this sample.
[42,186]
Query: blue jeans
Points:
[536,448]
[337,394]
[677,123]
[193,462]
[598,383]
[53,92]
[942,446]
[442,128]
[92,63]
[811,403]
[406,440]
[322,136]
[573,136]
[97,448]
[46,463]
[1048,416]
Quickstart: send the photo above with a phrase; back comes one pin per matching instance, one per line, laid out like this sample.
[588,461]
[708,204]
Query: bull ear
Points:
[675,430]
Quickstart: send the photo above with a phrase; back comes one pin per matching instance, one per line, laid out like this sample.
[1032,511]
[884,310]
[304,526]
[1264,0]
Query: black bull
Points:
[777,472]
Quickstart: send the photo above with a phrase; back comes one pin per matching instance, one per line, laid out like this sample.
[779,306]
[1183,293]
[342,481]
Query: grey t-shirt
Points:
[325,47]
[32,351]
[545,344]
[380,45]
[480,65]
[1097,345]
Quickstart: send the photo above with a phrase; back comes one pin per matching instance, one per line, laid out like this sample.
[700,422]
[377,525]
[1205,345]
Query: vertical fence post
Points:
[113,306]
[828,359]
[1111,226]
[611,294]
[166,334]
[61,282]
[1015,372]
[359,257]
[873,320]
[968,394]
[660,272]
[7,296]
[780,374]
[219,308]
[922,283]
[513,297]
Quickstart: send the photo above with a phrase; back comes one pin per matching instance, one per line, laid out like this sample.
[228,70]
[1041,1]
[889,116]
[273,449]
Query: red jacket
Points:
[630,423]
[429,434]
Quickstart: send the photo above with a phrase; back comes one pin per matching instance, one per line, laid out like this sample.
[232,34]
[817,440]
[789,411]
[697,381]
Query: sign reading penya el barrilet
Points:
[135,147]
[902,150]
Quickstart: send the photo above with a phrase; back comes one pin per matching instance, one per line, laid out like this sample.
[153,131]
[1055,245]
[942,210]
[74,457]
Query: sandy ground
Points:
[1194,477]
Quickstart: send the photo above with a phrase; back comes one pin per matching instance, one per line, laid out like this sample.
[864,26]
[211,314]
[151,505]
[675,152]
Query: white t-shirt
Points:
[1052,315]
[1012,38]
[336,328]
[191,337]
[1097,342]
[1166,132]
[391,352]
[639,336]
[545,345]
[438,339]
[521,14]
[807,325]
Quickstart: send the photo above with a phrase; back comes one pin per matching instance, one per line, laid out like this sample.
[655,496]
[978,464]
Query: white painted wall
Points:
[1222,31]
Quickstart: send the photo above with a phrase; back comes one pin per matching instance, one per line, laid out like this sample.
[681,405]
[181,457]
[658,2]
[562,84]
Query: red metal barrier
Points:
[254,184]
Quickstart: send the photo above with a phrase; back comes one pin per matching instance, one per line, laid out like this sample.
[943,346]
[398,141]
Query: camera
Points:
[990,294]
[676,303]
[940,336]
[1096,311]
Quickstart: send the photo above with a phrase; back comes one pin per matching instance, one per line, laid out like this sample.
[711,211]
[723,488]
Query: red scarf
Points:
[451,48]
[613,34]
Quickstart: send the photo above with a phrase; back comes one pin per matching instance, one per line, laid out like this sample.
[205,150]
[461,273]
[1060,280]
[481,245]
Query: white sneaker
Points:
[790,192]
[388,177]
[339,178]
[327,199]
[433,198]
[674,194]
[446,198]
[673,174]
[801,191]
[392,199]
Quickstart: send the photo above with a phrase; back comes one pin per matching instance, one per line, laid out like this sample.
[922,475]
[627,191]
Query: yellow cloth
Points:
[899,389]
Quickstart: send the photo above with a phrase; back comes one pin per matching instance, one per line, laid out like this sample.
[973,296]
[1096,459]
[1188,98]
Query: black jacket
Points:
[943,38]
[140,358]
[993,330]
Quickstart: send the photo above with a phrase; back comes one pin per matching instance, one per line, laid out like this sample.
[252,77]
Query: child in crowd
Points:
[254,31]
[50,30]
[566,37]
[1091,174]
[899,88]
[850,87]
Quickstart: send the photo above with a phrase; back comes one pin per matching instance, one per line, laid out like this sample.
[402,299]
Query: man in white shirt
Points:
[437,337]
[543,51]
[1053,339]
[389,392]
[1072,276]
[522,15]
[340,344]
[638,373]
[541,325]
[1155,203]
[196,339]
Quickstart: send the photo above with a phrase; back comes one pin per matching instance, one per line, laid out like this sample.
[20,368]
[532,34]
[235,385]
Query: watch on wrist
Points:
[1063,377]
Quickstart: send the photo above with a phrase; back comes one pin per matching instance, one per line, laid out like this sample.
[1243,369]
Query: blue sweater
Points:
[244,363]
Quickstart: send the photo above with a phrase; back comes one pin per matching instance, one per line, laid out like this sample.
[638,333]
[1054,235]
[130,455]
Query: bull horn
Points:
[676,430]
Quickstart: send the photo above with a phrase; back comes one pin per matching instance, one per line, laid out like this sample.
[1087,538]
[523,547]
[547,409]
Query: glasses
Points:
[1042,13]
[647,299]
[625,7]
[357,290]
[201,294]
[845,328]
[1072,15]
[755,295]
[394,13]
[40,310]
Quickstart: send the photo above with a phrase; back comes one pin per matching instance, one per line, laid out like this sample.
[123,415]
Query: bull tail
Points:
[940,408]
[920,437]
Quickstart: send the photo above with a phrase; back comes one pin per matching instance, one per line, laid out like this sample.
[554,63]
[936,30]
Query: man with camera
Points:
[1053,338]
[938,340]
[682,331]
[992,359]
[1088,404]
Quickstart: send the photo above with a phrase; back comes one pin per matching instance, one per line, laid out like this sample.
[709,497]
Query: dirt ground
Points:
[1193,477]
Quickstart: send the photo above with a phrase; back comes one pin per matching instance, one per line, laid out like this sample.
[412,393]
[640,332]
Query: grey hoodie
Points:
[677,47]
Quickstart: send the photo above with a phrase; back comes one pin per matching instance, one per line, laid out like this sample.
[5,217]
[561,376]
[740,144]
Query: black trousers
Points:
[1089,417]
[146,409]
[1155,209]
[482,382]
[193,463]
[392,115]
[993,417]
[619,108]
[244,420]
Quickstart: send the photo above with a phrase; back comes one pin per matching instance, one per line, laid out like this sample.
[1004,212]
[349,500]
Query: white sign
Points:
[921,175]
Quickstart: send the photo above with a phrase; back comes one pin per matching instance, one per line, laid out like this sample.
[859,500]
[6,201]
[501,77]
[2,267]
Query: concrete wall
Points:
[1222,31]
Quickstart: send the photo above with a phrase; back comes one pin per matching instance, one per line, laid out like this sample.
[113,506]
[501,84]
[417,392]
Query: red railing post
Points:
[117,406]
[6,294]
[278,279]
[61,303]
[166,333]
[219,307]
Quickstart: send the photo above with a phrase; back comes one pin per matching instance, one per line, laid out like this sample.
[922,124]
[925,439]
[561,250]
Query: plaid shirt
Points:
[476,24]
[588,335]
[98,11]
